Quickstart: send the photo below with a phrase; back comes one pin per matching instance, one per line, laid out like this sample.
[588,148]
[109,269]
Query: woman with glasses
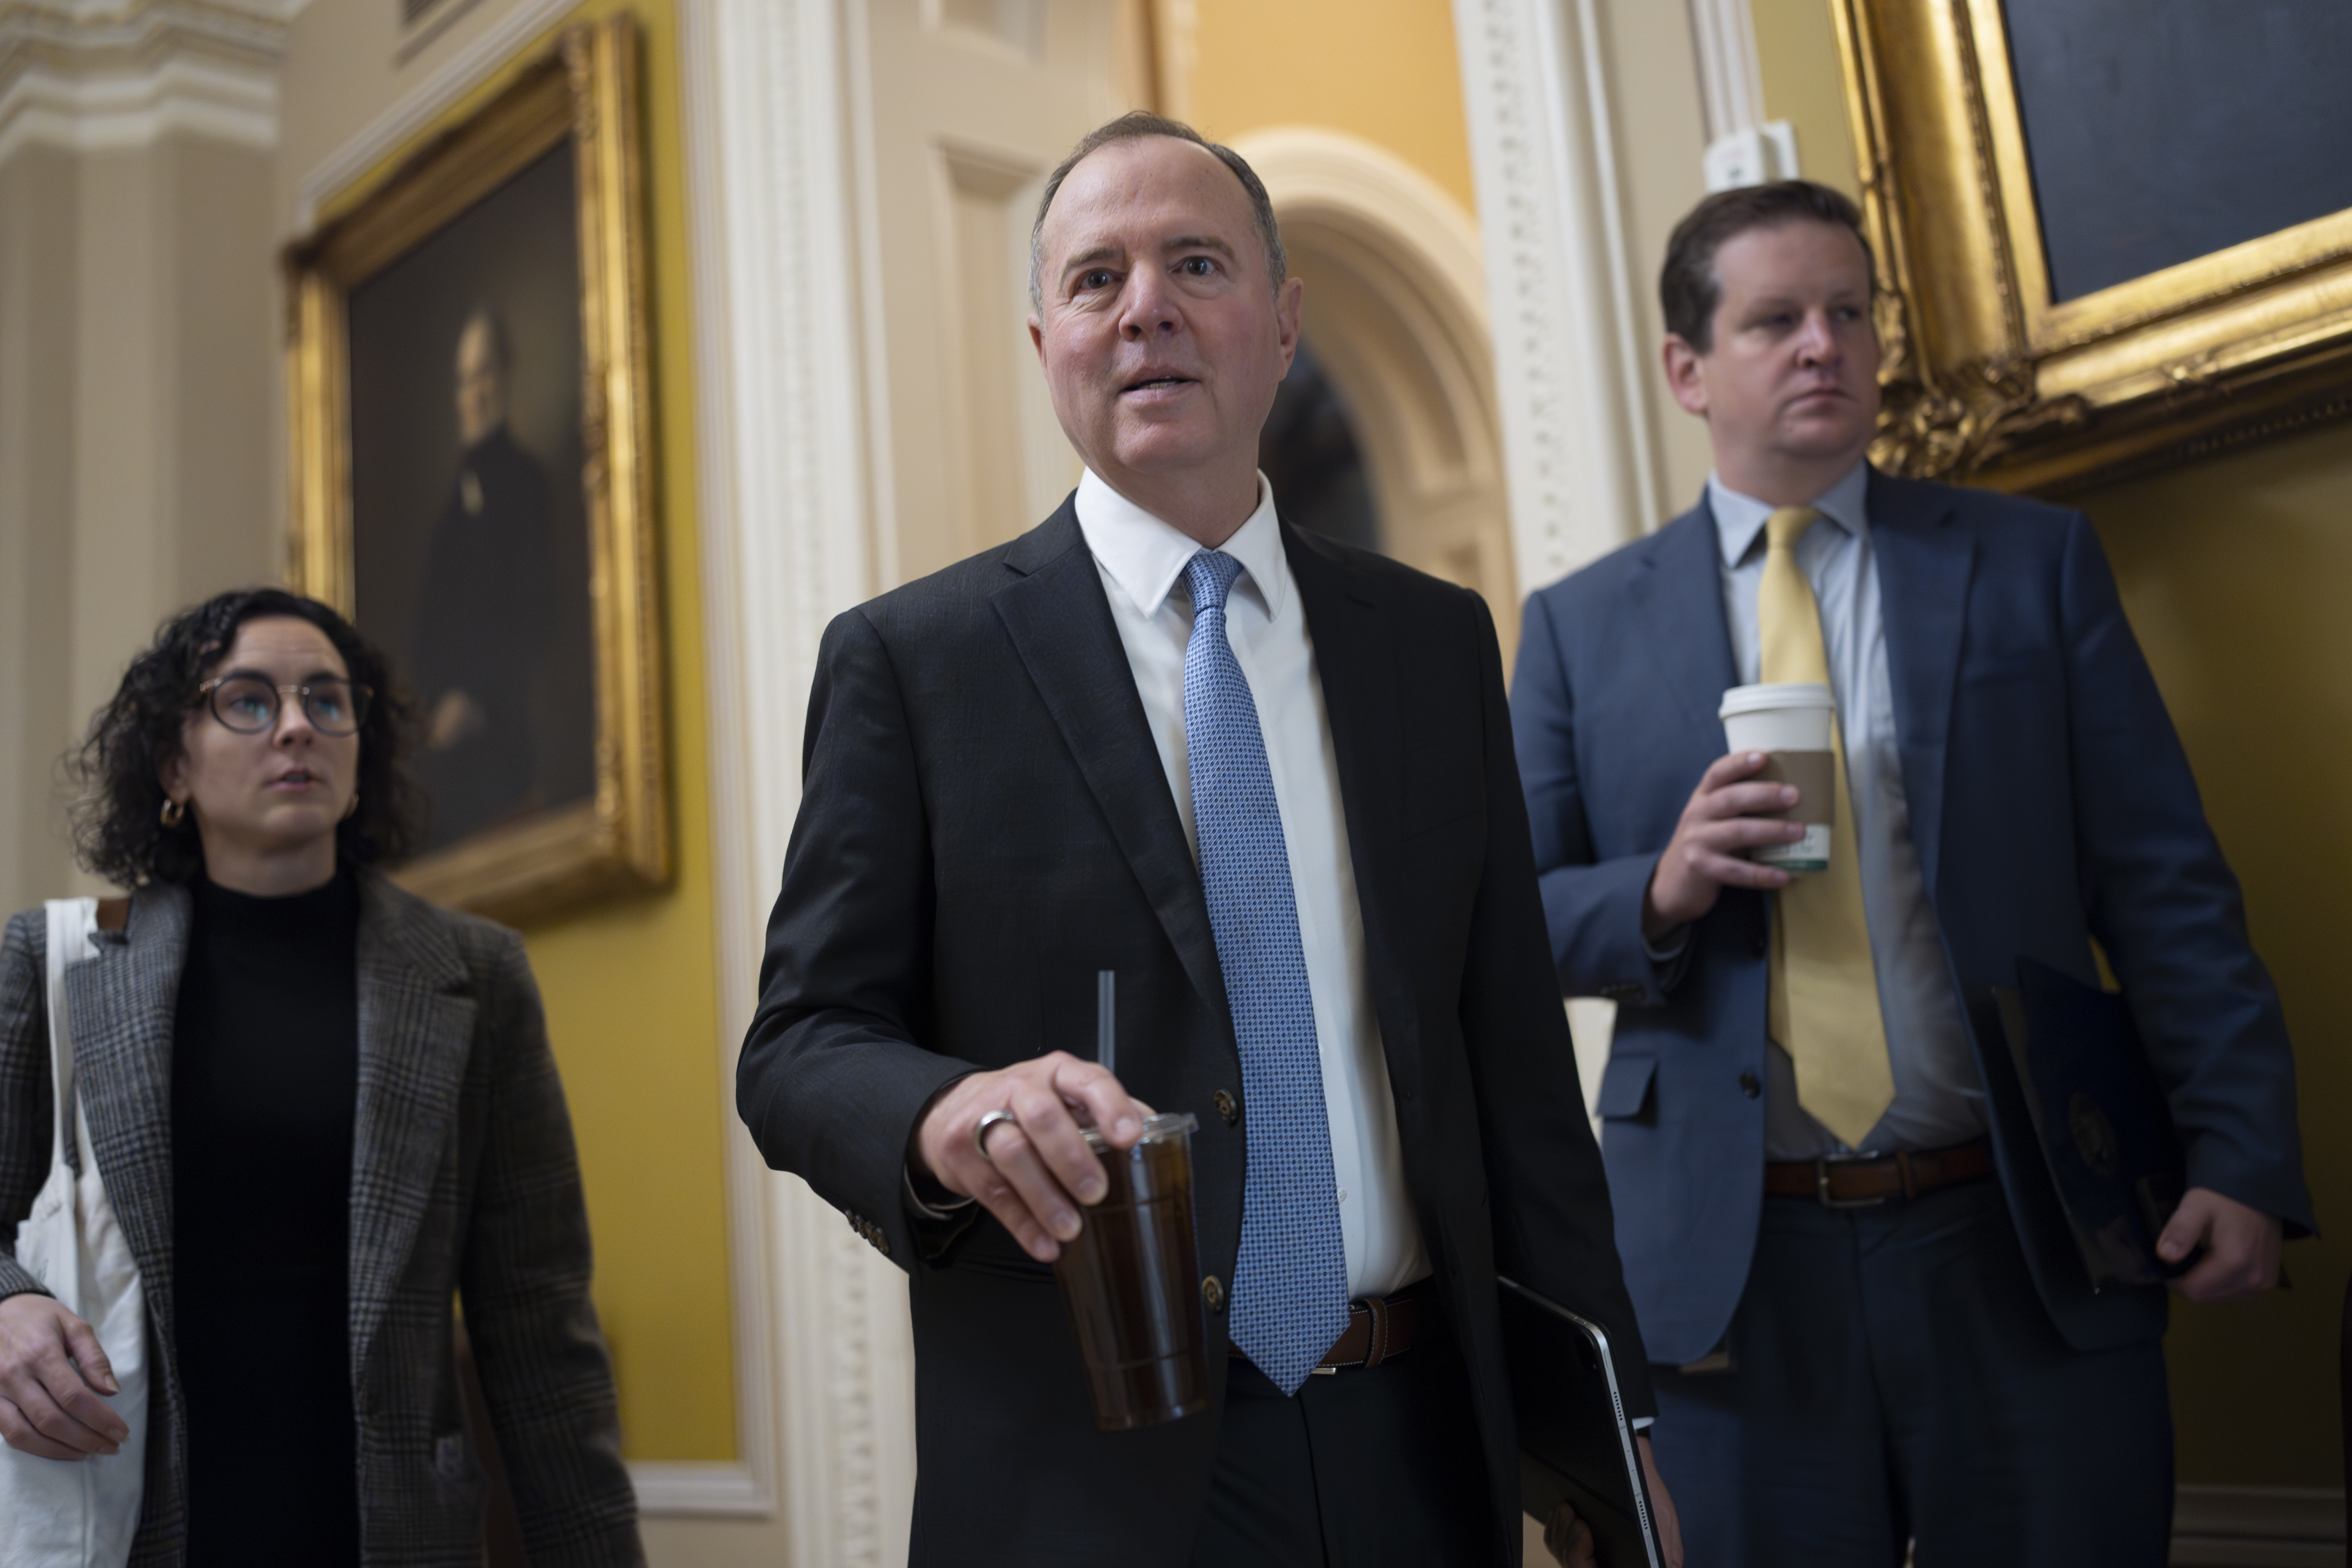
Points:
[321,1108]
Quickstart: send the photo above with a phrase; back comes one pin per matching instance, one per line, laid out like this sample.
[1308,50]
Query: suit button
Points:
[1748,1086]
[1227,1107]
[881,1242]
[1213,1292]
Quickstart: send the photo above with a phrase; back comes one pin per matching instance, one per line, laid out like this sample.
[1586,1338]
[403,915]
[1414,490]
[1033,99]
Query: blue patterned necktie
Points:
[1290,1284]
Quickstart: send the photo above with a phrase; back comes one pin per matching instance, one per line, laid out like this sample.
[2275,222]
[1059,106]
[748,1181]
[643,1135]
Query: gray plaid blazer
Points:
[464,1181]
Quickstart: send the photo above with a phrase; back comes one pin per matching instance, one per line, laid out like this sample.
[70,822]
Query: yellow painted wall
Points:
[1382,69]
[2233,571]
[631,985]
[1797,56]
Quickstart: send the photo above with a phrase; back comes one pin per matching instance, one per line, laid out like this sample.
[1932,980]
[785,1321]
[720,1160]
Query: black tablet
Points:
[1574,1444]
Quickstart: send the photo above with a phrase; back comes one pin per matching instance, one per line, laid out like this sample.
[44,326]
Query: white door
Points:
[971,104]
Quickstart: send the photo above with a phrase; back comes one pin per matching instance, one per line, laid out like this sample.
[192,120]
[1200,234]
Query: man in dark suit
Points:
[477,640]
[1850,1252]
[1268,780]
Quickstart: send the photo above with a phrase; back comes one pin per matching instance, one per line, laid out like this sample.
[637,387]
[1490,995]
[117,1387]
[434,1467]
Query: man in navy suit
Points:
[1881,1335]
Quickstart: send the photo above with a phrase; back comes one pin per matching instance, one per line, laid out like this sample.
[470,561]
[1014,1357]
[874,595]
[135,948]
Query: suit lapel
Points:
[1924,567]
[121,1005]
[1060,624]
[416,1030]
[1679,598]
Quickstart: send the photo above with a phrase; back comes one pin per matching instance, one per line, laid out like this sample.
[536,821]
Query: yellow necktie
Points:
[1823,1007]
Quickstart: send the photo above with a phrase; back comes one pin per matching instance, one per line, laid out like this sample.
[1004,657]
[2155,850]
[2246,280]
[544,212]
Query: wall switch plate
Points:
[1754,155]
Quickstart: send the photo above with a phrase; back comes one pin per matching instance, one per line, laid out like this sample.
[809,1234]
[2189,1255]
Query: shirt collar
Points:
[1739,518]
[1145,556]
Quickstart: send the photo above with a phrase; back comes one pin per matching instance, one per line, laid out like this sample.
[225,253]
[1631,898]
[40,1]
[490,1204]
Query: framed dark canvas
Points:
[472,472]
[2111,234]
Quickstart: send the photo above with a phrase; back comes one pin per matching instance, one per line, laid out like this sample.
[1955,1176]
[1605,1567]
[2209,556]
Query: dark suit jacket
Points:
[2051,803]
[986,825]
[464,1181]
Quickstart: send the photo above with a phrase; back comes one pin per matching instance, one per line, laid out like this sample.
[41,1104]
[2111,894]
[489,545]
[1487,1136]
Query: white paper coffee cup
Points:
[1793,724]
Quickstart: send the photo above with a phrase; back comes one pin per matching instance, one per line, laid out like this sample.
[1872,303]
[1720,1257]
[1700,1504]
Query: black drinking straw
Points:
[1106,1018]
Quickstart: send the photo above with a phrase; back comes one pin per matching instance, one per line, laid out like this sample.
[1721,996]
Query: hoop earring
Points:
[173,813]
[351,809]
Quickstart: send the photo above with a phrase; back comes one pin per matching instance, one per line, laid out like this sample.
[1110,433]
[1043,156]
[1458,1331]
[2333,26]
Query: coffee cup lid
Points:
[1167,1124]
[1773,697]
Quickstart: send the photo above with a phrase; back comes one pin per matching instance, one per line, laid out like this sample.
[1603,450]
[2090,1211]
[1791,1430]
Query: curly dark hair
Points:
[119,832]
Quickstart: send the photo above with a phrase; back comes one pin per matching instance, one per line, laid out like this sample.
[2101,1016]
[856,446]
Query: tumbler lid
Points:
[1156,1130]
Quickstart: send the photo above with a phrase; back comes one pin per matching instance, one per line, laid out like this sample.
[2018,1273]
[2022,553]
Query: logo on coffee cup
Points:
[1794,725]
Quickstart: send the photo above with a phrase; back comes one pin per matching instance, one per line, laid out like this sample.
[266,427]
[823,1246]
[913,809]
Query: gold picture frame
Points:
[1987,376]
[613,833]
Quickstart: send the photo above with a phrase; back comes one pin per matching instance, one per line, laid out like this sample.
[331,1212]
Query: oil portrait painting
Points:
[472,456]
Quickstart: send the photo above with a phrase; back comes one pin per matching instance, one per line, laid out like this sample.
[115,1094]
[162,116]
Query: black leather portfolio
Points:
[1574,1444]
[2101,1119]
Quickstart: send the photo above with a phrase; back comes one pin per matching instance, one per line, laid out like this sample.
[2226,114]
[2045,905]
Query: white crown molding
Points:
[87,77]
[825,1379]
[465,69]
[1579,455]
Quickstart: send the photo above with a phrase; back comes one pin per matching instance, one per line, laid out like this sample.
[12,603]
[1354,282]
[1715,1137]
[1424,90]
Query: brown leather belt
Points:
[1376,1330]
[1860,1184]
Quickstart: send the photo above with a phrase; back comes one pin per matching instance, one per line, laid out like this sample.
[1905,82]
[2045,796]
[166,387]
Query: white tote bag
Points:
[59,1513]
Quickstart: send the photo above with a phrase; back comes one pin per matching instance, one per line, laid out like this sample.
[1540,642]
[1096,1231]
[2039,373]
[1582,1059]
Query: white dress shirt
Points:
[1938,1098]
[1142,563]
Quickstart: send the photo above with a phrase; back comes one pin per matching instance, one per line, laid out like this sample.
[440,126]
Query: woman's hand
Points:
[52,1374]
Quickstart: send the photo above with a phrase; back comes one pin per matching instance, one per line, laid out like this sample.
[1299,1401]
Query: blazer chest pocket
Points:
[1625,1086]
[1442,785]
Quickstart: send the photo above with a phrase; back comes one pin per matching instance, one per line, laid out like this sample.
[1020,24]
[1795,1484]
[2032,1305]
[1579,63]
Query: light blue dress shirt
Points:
[1938,1096]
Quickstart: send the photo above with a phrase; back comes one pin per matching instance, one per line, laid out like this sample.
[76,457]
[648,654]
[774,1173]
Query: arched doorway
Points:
[1396,323]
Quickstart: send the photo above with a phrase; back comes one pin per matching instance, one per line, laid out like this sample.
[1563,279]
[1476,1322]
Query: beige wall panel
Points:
[226,498]
[124,556]
[135,438]
[38,194]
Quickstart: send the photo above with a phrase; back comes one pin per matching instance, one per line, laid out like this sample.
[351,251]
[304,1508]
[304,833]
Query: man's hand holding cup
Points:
[1034,1170]
[1722,822]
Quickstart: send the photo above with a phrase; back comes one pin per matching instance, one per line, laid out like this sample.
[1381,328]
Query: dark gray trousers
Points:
[1894,1376]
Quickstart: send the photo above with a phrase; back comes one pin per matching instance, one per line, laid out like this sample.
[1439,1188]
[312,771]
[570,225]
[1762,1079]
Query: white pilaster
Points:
[1579,451]
[788,538]
[1730,82]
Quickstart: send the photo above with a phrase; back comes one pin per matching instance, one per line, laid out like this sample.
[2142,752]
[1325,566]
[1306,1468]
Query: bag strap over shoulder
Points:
[71,922]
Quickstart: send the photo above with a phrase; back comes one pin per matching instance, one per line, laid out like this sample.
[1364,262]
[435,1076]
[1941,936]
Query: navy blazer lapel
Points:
[1056,612]
[1680,598]
[416,1030]
[1924,567]
[121,1005]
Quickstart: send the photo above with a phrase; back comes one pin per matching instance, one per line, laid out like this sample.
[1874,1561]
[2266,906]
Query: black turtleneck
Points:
[265,1088]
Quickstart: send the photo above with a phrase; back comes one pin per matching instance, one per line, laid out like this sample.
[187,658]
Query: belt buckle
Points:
[1821,1164]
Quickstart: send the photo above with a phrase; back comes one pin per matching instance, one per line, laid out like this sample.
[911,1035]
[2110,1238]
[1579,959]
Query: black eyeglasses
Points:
[248,704]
